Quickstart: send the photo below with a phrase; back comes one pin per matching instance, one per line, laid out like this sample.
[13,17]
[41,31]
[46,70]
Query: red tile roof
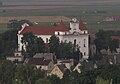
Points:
[115,37]
[39,30]
[39,61]
[49,30]
[62,27]
[82,26]
[45,30]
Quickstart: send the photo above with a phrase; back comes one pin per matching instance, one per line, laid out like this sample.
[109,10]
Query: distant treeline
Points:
[112,32]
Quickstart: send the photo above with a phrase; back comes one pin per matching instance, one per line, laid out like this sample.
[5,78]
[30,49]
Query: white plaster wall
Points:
[15,58]
[60,33]
[80,42]
[44,68]
[19,42]
[44,37]
[74,27]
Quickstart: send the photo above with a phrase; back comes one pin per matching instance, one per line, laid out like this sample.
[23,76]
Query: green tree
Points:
[67,77]
[54,44]
[16,24]
[40,45]
[8,42]
[103,40]
[24,74]
[38,73]
[33,44]
[7,70]
[114,44]
[54,79]
[109,72]
[43,81]
[65,50]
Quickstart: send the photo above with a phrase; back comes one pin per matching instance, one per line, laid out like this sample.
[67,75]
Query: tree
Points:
[33,44]
[103,40]
[43,81]
[109,72]
[67,77]
[54,79]
[7,70]
[114,44]
[8,42]
[38,73]
[65,50]
[54,44]
[40,45]
[24,74]
[15,24]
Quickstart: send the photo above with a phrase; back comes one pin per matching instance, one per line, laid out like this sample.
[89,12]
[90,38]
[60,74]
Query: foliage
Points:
[7,70]
[24,74]
[104,41]
[15,24]
[109,72]
[100,80]
[54,44]
[8,42]
[63,49]
[54,79]
[43,81]
[33,44]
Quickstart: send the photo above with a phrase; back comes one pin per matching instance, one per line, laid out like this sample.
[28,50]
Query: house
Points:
[76,33]
[41,63]
[17,57]
[77,68]
[46,56]
[67,62]
[58,70]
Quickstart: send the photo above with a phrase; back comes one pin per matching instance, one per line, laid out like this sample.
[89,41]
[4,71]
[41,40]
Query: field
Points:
[90,11]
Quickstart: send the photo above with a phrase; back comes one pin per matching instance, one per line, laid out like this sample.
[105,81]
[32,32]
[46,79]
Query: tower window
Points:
[84,53]
[84,45]
[84,40]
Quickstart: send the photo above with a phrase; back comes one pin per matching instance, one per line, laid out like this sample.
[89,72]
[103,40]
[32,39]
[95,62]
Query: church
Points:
[76,33]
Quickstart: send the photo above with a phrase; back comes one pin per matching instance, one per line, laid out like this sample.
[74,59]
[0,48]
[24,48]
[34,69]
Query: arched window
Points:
[74,41]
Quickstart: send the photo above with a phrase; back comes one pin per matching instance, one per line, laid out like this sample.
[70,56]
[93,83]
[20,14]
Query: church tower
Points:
[74,25]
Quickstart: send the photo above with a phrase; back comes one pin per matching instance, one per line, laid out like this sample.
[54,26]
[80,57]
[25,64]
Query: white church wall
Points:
[45,38]
[81,41]
[19,42]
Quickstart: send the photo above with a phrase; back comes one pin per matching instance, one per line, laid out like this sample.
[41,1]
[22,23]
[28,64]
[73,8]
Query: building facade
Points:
[76,33]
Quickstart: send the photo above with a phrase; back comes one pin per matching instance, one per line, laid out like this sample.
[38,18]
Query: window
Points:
[58,33]
[84,53]
[65,33]
[46,40]
[84,40]
[84,45]
[74,41]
